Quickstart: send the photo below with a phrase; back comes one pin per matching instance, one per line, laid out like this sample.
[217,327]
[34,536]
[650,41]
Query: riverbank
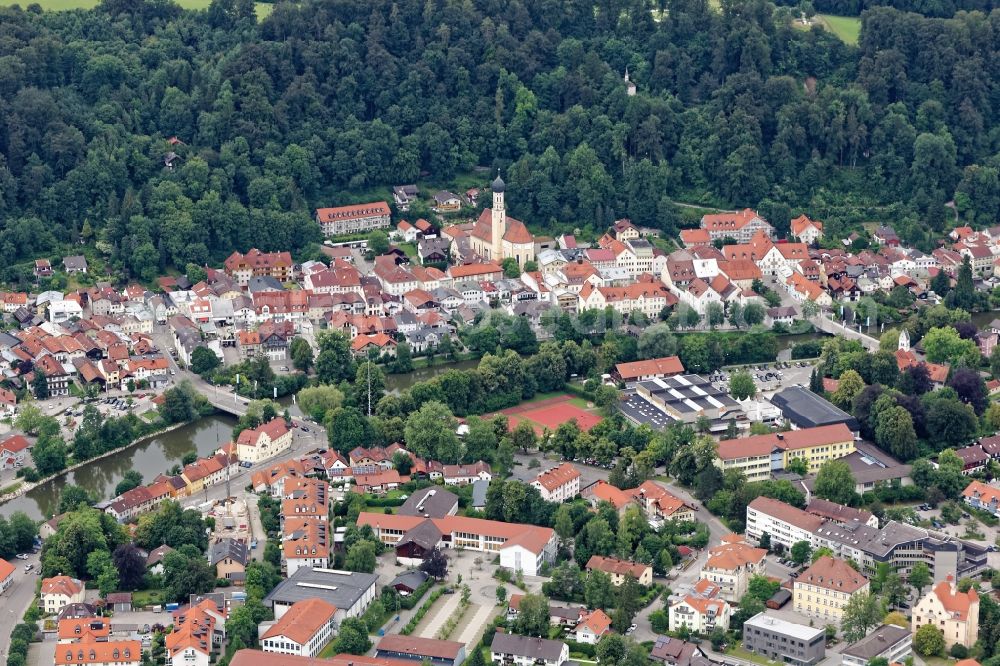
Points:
[27,486]
[151,454]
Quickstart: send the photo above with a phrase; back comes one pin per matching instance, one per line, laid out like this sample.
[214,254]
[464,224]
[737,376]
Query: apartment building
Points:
[99,653]
[785,524]
[527,651]
[783,641]
[982,496]
[60,591]
[558,484]
[701,611]
[265,441]
[619,570]
[824,589]
[731,565]
[355,219]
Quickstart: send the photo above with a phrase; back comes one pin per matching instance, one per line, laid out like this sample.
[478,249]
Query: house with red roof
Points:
[619,570]
[14,451]
[737,225]
[593,625]
[265,441]
[806,230]
[701,610]
[6,575]
[354,219]
[955,613]
[304,630]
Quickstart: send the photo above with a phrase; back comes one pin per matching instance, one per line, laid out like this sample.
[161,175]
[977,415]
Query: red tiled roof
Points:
[303,620]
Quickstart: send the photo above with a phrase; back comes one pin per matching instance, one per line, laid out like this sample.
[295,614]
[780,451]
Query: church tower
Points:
[904,341]
[499,227]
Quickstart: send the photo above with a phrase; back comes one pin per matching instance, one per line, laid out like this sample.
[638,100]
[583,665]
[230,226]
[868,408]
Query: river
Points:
[152,457]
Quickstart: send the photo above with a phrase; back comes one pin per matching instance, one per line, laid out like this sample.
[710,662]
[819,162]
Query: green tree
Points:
[851,384]
[302,354]
[186,573]
[920,577]
[862,613]
[352,637]
[835,482]
[131,479]
[741,385]
[361,557]
[801,550]
[39,384]
[318,401]
[49,454]
[929,641]
[72,496]
[335,362]
[430,433]
[511,268]
[533,619]
[203,361]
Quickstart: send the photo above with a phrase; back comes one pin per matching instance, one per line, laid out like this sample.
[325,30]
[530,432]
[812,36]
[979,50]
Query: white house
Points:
[559,484]
[527,651]
[303,630]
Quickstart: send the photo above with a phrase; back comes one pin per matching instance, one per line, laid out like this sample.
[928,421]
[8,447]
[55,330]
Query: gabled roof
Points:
[557,477]
[832,574]
[303,620]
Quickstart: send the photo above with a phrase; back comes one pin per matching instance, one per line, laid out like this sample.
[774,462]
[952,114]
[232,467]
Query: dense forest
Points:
[327,99]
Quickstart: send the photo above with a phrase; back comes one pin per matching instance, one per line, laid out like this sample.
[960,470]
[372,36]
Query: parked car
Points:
[21,556]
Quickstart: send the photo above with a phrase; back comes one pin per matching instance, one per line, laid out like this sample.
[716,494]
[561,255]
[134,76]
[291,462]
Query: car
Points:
[28,568]
[965,515]
[794,574]
[21,556]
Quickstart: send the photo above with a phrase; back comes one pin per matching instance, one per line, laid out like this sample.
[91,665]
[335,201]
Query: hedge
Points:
[419,615]
[410,601]
[384,502]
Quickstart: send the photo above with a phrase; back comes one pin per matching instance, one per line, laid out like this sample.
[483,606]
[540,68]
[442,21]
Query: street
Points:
[16,599]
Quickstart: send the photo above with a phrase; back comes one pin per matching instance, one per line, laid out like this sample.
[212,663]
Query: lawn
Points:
[740,653]
[11,488]
[143,598]
[848,28]
[263,8]
[409,249]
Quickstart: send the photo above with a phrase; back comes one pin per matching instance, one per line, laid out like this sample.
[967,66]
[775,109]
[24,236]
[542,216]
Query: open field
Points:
[263,8]
[847,28]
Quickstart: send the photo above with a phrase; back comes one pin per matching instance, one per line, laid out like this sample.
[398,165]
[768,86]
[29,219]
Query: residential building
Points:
[229,557]
[740,226]
[305,544]
[759,456]
[6,575]
[76,263]
[593,625]
[420,650]
[889,642]
[982,496]
[731,565]
[99,653]
[84,629]
[265,441]
[460,475]
[558,484]
[14,452]
[60,591]
[197,630]
[955,613]
[784,524]
[527,651]
[521,547]
[826,587]
[783,641]
[700,611]
[806,230]
[304,629]
[675,652]
[355,219]
[658,504]
[839,513]
[619,570]
[349,592]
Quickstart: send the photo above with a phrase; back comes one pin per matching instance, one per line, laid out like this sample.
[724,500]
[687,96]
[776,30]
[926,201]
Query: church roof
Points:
[516,232]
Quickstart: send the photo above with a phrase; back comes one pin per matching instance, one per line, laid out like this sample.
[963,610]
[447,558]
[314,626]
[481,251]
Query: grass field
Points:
[848,28]
[263,8]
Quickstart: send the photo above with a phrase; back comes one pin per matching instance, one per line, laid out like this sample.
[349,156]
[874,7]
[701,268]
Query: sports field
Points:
[551,412]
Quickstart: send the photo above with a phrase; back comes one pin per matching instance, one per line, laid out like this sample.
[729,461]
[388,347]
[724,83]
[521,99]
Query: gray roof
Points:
[425,534]
[808,410]
[340,589]
[524,646]
[689,393]
[430,502]
[411,579]
[264,283]
[75,262]
[479,488]
[878,542]
[877,642]
[227,548]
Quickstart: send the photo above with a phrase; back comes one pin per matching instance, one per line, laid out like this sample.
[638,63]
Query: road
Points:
[16,599]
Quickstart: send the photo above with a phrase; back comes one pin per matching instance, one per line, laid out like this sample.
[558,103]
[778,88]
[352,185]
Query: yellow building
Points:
[263,442]
[758,456]
[824,589]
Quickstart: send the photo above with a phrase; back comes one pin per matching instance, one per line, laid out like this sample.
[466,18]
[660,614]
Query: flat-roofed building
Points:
[892,643]
[783,641]
[687,398]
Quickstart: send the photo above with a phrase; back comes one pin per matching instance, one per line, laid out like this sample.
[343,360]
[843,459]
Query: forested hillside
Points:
[329,98]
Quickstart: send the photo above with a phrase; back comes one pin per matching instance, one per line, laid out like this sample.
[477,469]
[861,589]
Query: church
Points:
[496,236]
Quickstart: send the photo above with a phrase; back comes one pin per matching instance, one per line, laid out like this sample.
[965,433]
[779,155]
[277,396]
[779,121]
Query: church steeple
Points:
[499,219]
